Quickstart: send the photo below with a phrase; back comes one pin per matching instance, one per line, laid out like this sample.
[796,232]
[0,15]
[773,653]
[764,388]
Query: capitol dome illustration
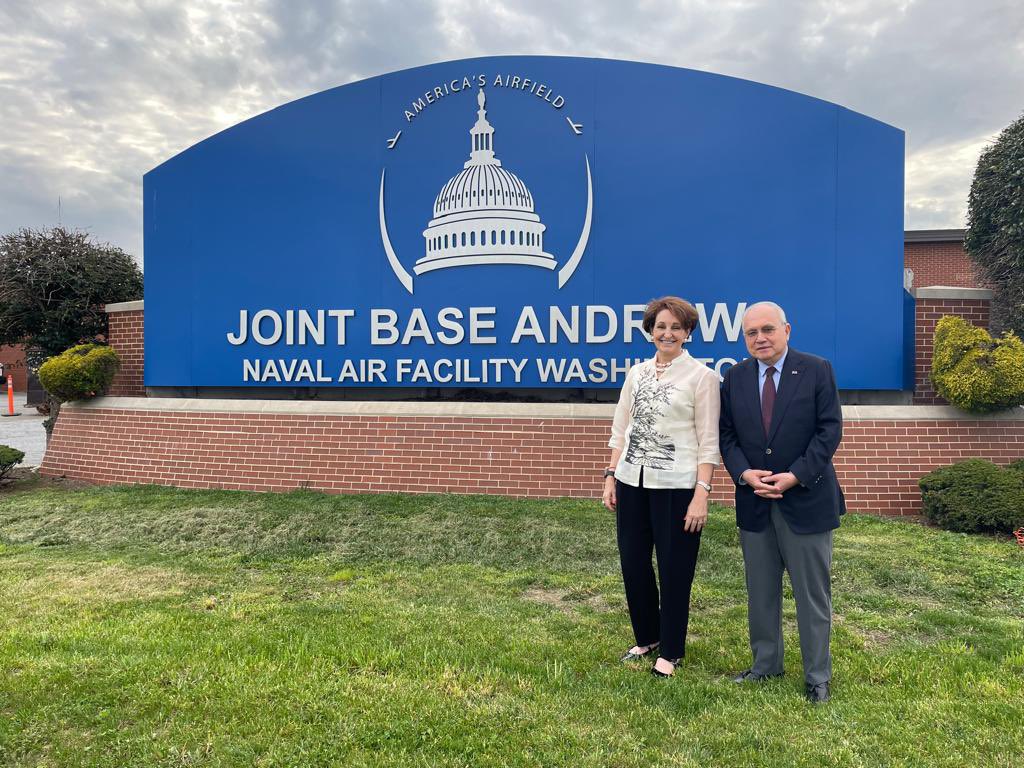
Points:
[484,214]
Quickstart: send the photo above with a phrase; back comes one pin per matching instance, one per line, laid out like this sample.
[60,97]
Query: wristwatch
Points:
[609,472]
[705,486]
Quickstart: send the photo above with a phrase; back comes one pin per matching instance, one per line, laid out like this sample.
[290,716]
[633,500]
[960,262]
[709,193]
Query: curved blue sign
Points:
[501,222]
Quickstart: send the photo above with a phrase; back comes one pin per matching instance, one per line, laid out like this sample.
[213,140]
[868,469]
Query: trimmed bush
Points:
[80,372]
[974,496]
[9,459]
[975,372]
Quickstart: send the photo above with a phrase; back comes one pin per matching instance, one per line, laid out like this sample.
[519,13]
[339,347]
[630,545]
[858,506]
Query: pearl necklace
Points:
[662,367]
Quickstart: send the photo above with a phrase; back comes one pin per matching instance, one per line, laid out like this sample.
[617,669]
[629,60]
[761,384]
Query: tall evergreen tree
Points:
[995,234]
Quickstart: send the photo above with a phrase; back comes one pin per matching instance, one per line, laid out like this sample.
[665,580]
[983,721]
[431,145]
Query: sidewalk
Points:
[24,432]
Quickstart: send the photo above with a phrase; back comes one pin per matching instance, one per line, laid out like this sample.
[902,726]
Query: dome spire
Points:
[482,133]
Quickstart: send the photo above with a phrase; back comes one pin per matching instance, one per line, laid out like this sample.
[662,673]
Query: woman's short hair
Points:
[683,310]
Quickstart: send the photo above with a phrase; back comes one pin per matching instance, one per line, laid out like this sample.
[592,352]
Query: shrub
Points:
[974,496]
[975,372]
[80,372]
[1016,466]
[9,459]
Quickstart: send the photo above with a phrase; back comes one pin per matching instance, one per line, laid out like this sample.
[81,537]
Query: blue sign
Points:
[501,222]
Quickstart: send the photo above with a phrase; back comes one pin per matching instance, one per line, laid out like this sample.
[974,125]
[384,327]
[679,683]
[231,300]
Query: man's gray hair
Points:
[772,304]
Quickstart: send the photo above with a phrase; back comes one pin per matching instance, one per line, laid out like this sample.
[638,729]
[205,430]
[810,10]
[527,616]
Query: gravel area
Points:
[24,432]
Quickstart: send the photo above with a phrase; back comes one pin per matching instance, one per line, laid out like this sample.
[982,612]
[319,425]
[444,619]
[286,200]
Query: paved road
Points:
[24,432]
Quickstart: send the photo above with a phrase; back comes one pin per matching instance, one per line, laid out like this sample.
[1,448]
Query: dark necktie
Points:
[768,399]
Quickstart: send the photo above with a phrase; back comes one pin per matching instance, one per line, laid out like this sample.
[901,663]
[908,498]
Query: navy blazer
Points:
[807,425]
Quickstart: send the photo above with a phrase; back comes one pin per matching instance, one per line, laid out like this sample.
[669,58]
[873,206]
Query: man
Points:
[781,423]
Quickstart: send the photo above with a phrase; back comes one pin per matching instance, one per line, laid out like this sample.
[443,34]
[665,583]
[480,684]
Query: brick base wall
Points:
[880,460]
[928,311]
[126,336]
[109,441]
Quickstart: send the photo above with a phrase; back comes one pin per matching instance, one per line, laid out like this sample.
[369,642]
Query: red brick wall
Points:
[928,312]
[879,462]
[277,452]
[940,264]
[13,359]
[126,337]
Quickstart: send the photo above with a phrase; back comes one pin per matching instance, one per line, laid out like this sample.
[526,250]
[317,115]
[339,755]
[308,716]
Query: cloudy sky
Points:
[95,93]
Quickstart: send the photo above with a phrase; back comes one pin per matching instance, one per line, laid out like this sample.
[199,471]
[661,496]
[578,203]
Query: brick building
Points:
[13,361]
[937,257]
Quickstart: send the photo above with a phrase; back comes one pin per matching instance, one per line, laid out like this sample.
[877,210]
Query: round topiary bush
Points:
[80,372]
[975,372]
[9,459]
[974,496]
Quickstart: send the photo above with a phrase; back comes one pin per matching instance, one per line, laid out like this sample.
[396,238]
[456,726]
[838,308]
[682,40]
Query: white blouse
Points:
[667,426]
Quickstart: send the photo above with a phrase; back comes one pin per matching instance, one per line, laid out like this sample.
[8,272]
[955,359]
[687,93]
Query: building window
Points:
[472,238]
[463,239]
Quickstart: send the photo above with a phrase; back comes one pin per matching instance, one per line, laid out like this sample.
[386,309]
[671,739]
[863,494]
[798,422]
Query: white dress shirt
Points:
[667,426]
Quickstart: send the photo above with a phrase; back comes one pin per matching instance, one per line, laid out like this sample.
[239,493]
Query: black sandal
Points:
[630,656]
[674,662]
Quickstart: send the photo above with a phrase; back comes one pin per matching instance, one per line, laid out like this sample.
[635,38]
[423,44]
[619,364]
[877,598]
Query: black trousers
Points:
[647,520]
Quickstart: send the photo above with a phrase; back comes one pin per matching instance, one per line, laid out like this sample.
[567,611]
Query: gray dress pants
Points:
[808,559]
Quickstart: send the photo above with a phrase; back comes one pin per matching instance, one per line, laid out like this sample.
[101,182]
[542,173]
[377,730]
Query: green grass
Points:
[159,627]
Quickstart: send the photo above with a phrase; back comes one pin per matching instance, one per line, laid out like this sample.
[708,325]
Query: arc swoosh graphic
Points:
[570,266]
[400,272]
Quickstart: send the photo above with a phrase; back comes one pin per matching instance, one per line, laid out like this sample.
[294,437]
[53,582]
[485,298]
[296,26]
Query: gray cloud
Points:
[94,95]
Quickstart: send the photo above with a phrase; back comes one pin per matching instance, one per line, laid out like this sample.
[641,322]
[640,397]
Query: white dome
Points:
[483,187]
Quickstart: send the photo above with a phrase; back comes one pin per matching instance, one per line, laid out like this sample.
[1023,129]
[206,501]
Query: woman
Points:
[664,450]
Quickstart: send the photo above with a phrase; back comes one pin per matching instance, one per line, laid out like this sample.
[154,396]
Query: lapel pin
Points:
[793,372]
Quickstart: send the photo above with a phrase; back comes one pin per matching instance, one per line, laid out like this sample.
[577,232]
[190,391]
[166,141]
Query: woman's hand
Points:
[608,497]
[696,514]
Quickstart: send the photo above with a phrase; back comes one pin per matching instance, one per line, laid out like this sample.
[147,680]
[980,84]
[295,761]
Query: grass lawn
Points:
[149,626]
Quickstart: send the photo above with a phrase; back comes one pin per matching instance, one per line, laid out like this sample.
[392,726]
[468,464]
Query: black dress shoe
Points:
[630,656]
[818,694]
[674,662]
[750,676]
